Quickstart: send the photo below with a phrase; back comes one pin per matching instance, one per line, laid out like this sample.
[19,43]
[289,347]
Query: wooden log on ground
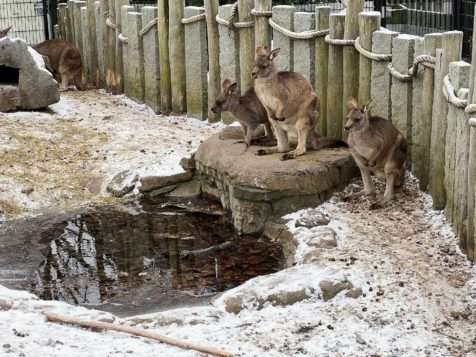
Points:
[422,123]
[334,81]
[262,28]
[119,63]
[283,15]
[99,325]
[93,46]
[381,81]
[196,64]
[321,63]
[177,56]
[135,57]
[369,22]
[304,50]
[452,46]
[350,77]
[247,44]
[214,85]
[163,28]
[150,44]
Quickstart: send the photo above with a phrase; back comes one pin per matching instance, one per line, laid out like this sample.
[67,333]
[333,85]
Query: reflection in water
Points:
[110,255]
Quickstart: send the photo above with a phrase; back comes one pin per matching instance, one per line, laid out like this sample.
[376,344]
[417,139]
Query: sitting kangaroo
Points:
[247,109]
[290,102]
[377,147]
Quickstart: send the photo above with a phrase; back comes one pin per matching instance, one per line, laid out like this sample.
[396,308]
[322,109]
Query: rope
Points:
[148,27]
[472,122]
[425,60]
[123,39]
[193,19]
[469,110]
[261,13]
[449,93]
[305,35]
[371,55]
[338,41]
[110,24]
[230,23]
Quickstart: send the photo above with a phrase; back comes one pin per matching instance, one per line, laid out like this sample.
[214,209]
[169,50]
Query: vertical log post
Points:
[283,15]
[119,63]
[334,82]
[247,44]
[262,28]
[350,81]
[71,29]
[99,9]
[78,28]
[110,47]
[127,84]
[422,123]
[369,22]
[163,28]
[381,81]
[135,57]
[62,12]
[177,55]
[304,50]
[150,44]
[211,10]
[86,54]
[452,46]
[92,39]
[196,64]
[322,56]
[417,94]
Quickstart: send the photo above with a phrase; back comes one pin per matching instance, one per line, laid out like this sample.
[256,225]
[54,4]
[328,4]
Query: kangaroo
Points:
[290,102]
[65,62]
[247,109]
[4,33]
[377,148]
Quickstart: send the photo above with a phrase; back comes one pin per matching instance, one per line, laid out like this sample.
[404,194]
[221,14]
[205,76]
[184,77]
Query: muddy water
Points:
[131,260]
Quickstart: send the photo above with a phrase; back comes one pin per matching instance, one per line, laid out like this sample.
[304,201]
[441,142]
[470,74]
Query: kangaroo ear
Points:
[352,104]
[4,32]
[232,88]
[226,83]
[273,54]
[367,106]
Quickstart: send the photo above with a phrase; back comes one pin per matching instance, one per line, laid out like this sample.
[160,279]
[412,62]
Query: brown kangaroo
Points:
[247,109]
[290,102]
[3,33]
[65,62]
[377,147]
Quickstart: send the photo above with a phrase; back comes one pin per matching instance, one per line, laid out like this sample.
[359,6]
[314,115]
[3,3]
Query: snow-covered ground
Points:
[418,290]
[66,156]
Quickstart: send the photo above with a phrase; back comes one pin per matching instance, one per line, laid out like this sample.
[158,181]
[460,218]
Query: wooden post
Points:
[322,56]
[229,57]
[381,81]
[403,50]
[334,82]
[350,78]
[177,55]
[57,31]
[92,39]
[67,24]
[109,43]
[135,57]
[214,85]
[86,54]
[262,28]
[150,44]
[119,63]
[247,45]
[471,196]
[71,29]
[304,50]
[422,123]
[452,45]
[99,9]
[368,23]
[417,94]
[283,15]
[63,15]
[78,28]
[196,64]
[127,82]
[163,28]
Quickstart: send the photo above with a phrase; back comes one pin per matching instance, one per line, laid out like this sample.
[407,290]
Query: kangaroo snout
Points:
[254,74]
[214,110]
[347,127]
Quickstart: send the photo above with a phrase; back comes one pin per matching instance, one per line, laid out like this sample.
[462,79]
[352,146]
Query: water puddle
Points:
[135,260]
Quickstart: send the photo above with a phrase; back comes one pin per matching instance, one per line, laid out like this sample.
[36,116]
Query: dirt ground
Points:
[64,157]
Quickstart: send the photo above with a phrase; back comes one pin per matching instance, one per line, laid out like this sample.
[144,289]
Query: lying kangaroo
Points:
[290,102]
[377,147]
[65,62]
[247,109]
[4,33]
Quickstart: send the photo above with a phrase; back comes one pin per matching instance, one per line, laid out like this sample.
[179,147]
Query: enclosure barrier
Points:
[173,58]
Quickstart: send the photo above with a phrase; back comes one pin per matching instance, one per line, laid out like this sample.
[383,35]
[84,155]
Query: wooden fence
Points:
[173,58]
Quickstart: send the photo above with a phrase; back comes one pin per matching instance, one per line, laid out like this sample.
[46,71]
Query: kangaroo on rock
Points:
[377,147]
[247,109]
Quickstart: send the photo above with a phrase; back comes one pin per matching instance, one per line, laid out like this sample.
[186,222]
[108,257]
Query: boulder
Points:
[330,288]
[123,183]
[151,183]
[312,218]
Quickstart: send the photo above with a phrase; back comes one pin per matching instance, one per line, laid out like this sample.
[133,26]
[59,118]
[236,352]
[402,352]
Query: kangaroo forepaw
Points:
[261,152]
[288,156]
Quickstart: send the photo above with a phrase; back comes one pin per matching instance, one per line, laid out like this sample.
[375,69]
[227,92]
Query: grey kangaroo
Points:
[290,102]
[377,147]
[247,109]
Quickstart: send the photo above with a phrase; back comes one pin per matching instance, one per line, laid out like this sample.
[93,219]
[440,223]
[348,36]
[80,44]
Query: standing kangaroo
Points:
[377,147]
[290,102]
[247,109]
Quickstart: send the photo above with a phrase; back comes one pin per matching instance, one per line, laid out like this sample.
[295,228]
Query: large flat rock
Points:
[256,187]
